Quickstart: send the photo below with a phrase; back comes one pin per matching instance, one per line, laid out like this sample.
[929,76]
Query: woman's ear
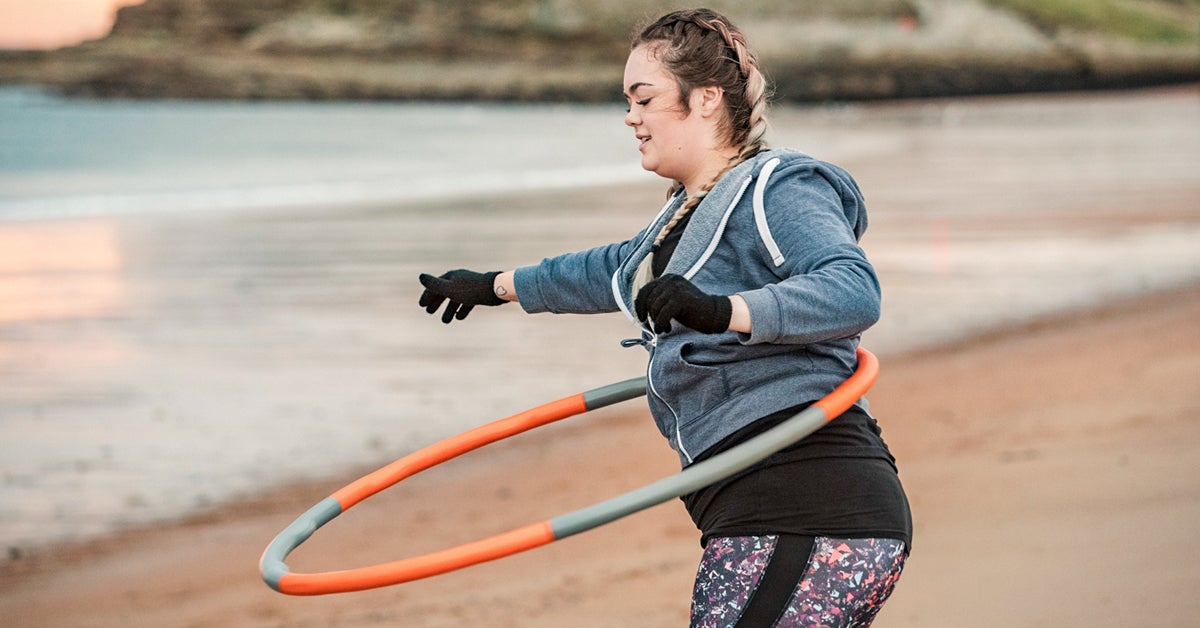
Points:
[708,100]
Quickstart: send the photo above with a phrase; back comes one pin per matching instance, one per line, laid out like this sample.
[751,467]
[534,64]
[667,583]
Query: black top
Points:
[662,255]
[839,481]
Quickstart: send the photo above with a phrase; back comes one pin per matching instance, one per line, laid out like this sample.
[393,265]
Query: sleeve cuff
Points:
[529,292]
[765,317]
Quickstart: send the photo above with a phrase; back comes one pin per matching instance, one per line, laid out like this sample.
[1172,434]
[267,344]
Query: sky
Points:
[41,24]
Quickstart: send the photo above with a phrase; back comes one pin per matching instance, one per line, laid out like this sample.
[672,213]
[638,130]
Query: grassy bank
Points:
[1162,22]
[573,50]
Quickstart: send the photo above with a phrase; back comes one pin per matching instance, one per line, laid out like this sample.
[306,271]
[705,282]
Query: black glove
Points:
[672,296]
[464,289]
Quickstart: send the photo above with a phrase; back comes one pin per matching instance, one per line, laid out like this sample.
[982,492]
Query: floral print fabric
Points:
[846,583]
[729,572]
[844,586]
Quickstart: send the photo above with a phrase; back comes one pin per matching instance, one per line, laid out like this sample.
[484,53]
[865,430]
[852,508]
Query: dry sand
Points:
[1052,471]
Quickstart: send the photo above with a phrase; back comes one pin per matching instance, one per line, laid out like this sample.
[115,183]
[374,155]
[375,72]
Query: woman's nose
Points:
[631,118]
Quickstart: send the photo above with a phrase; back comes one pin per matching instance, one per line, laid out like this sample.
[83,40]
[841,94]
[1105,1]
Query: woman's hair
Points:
[702,48]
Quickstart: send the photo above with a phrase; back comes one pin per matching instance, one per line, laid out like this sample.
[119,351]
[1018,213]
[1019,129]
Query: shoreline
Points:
[201,570]
[92,72]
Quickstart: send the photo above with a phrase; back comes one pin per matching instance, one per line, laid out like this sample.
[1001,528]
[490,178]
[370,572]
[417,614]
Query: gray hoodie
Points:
[782,231]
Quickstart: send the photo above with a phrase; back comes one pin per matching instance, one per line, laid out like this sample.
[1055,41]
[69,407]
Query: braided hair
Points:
[701,48]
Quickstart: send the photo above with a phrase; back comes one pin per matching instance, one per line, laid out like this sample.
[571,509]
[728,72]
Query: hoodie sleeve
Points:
[827,289]
[572,283]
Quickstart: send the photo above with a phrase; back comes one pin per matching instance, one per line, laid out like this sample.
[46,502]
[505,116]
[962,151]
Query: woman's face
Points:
[674,142]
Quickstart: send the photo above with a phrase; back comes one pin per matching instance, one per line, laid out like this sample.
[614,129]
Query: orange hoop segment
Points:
[455,446]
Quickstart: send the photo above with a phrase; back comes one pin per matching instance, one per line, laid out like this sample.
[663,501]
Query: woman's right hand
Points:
[462,289]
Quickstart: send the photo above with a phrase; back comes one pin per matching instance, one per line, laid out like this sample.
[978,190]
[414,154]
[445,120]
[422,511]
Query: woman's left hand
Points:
[673,297]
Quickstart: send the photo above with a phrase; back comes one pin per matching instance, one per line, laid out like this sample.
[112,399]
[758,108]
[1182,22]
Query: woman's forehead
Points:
[644,70]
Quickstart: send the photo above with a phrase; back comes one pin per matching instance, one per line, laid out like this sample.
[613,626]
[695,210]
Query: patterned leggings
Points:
[844,585]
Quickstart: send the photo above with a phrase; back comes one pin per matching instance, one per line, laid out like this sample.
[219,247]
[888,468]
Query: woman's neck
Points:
[706,175]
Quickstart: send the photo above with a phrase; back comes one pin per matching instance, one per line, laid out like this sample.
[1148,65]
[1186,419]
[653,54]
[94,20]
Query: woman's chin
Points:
[650,164]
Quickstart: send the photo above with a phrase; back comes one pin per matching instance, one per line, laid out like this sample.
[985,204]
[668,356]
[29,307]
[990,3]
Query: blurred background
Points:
[572,50]
[213,212]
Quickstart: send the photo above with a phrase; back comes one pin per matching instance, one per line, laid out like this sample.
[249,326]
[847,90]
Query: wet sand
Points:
[1039,354]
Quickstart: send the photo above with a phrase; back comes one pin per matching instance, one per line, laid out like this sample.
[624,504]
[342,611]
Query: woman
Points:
[751,293]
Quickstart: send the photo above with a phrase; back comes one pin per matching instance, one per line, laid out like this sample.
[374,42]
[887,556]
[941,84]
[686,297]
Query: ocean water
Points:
[202,300]
[170,330]
[69,158]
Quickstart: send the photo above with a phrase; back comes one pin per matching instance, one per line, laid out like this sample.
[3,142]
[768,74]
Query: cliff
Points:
[575,49]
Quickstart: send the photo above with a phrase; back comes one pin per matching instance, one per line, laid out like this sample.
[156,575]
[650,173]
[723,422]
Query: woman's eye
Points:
[640,103]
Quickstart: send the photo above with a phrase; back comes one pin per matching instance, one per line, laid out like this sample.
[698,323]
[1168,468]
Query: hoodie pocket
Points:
[695,389]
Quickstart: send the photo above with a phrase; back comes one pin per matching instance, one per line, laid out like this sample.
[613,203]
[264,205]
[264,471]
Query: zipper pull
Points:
[646,339]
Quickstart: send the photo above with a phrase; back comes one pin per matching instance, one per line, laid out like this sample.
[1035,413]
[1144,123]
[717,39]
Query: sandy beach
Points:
[1039,355]
[1051,469]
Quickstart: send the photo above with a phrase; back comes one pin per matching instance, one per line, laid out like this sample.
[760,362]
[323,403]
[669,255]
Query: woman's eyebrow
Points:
[634,87]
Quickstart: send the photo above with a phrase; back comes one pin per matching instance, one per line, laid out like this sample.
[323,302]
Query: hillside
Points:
[574,50]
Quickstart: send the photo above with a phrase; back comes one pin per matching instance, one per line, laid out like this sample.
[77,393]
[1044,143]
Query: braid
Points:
[691,203]
[756,99]
[701,47]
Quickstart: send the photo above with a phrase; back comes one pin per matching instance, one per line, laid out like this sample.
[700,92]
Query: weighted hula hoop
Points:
[276,574]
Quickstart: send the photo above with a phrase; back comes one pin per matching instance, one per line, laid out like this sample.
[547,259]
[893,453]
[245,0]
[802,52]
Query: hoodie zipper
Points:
[652,343]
